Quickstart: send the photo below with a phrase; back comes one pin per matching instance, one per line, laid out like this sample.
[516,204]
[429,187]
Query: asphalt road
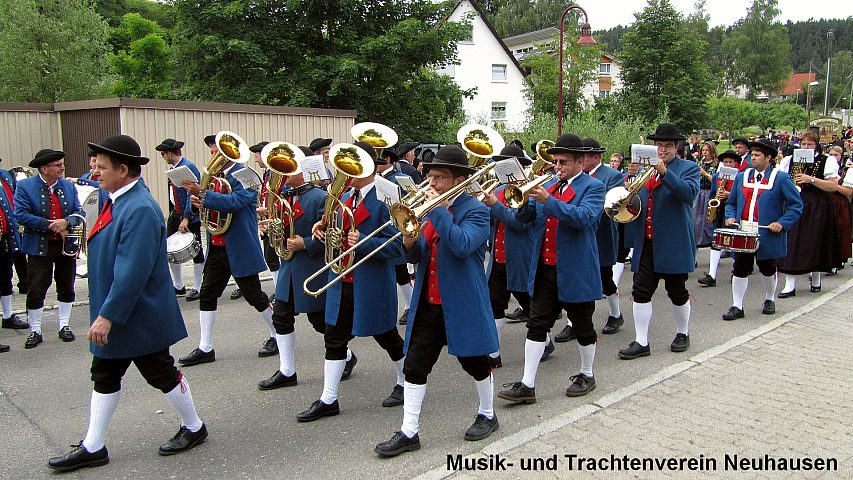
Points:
[44,395]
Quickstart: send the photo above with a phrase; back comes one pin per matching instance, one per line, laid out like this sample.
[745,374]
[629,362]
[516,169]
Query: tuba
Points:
[75,242]
[376,135]
[622,204]
[282,159]
[481,143]
[231,148]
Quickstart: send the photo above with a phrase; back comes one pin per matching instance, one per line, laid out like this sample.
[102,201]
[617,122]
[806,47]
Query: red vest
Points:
[654,183]
[548,252]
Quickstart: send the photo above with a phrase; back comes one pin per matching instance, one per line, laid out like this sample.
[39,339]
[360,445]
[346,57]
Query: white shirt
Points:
[121,191]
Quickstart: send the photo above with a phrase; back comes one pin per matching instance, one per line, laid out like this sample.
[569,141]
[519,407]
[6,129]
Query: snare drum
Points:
[182,247]
[735,240]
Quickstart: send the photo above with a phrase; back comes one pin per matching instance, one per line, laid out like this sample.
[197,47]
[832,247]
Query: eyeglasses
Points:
[58,165]
[562,161]
[439,178]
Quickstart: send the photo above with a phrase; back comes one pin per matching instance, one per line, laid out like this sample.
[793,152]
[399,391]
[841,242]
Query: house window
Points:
[498,110]
[603,93]
[604,69]
[498,73]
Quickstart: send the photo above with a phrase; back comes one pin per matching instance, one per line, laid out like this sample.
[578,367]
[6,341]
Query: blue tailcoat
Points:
[187,210]
[672,222]
[462,282]
[374,285]
[8,211]
[32,210]
[607,235]
[304,262]
[241,240]
[782,204]
[129,282]
[518,241]
[578,270]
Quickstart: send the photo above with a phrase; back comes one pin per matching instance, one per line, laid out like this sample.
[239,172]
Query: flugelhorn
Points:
[282,160]
[622,204]
[376,135]
[231,148]
[75,242]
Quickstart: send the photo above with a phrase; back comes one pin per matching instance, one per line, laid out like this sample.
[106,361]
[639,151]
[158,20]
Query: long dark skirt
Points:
[812,242]
[842,222]
[702,230]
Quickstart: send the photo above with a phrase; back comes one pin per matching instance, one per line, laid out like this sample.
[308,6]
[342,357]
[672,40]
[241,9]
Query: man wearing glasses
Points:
[43,204]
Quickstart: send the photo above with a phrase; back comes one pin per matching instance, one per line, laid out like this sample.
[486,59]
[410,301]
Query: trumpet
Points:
[405,217]
[714,203]
[516,195]
[232,148]
[75,242]
[622,204]
[282,159]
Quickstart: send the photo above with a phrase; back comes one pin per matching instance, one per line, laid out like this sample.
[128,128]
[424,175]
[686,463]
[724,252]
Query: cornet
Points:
[232,148]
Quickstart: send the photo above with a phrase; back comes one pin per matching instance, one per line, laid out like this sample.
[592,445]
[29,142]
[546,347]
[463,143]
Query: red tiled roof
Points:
[795,82]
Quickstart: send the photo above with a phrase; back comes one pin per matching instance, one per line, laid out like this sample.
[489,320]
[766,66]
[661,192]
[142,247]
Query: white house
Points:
[486,64]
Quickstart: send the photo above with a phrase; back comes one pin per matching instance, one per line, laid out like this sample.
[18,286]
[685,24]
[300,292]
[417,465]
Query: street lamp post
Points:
[809,103]
[586,39]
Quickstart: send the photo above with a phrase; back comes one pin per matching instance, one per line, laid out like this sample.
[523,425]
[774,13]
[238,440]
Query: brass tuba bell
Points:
[282,159]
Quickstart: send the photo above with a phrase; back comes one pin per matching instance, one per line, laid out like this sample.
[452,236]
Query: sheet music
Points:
[314,169]
[387,191]
[179,174]
[407,183]
[728,173]
[248,178]
[644,154]
[804,155]
[509,171]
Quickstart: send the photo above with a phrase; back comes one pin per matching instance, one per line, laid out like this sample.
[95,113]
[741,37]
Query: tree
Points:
[730,114]
[52,51]
[662,67]
[114,11]
[514,17]
[144,65]
[758,50]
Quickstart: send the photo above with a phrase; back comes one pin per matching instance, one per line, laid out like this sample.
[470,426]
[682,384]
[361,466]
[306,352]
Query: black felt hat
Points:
[593,145]
[370,151]
[406,147]
[513,151]
[45,156]
[256,148]
[765,146]
[391,153]
[567,143]
[729,154]
[319,143]
[453,158]
[666,131]
[307,151]
[742,140]
[209,140]
[121,148]
[169,145]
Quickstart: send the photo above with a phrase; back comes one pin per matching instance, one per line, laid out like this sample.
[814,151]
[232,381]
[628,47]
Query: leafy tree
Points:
[809,42]
[144,65]
[662,67]
[52,51]
[730,114]
[514,17]
[842,75]
[114,11]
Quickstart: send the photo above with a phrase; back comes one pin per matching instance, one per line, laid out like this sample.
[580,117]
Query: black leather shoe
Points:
[565,335]
[613,324]
[318,410]
[197,356]
[269,348]
[15,323]
[33,340]
[549,349]
[404,318]
[769,307]
[516,316]
[518,393]
[236,294]
[792,293]
[184,440]
[635,350]
[815,289]
[192,295]
[581,385]
[481,428]
[708,281]
[79,458]
[65,334]
[680,343]
[397,444]
[396,397]
[181,292]
[495,362]
[277,380]
[4,348]
[348,367]
[733,313]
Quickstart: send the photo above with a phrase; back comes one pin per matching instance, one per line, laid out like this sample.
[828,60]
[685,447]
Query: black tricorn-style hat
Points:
[307,151]
[319,143]
[168,145]
[391,153]
[209,140]
[45,156]
[256,148]
[406,147]
[453,158]
[593,145]
[513,151]
[567,143]
[666,131]
[742,140]
[729,154]
[765,146]
[121,148]
[370,151]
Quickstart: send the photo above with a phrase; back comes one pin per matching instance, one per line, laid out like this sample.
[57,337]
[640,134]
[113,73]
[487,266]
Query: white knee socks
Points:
[101,409]
[206,321]
[715,262]
[499,325]
[6,301]
[64,314]
[617,272]
[613,305]
[198,273]
[682,317]
[34,317]
[532,355]
[739,286]
[181,399]
[274,278]
[177,277]
[413,398]
[815,281]
[286,352]
[266,316]
[642,319]
[790,283]
[587,358]
[486,393]
[398,365]
[332,371]
[406,293]
[769,283]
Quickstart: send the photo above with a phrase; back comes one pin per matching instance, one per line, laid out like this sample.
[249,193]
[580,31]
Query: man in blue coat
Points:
[134,317]
[663,242]
[9,242]
[450,303]
[364,302]
[183,217]
[741,146]
[237,252]
[44,204]
[564,272]
[761,196]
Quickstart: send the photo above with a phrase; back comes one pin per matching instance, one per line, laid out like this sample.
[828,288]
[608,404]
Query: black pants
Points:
[499,295]
[622,254]
[607,284]
[217,271]
[270,256]
[646,280]
[743,265]
[158,369]
[337,337]
[6,261]
[194,228]
[401,272]
[545,305]
[41,269]
[284,316]
[428,337]
[20,260]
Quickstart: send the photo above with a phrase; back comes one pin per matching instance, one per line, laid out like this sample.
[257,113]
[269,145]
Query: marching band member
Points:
[43,204]
[708,166]
[210,141]
[729,159]
[741,146]
[842,213]
[565,272]
[624,254]
[182,216]
[9,245]
[270,257]
[89,178]
[364,303]
[761,196]
[616,160]
[237,252]
[406,153]
[306,203]
[663,242]
[134,315]
[321,146]
[450,304]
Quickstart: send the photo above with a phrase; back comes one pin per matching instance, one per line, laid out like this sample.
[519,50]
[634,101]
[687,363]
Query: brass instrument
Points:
[75,242]
[622,204]
[714,203]
[21,173]
[282,160]
[516,195]
[376,135]
[232,148]
[543,158]
[405,216]
[480,143]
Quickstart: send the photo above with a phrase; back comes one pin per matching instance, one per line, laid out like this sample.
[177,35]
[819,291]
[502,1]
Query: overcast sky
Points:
[604,14]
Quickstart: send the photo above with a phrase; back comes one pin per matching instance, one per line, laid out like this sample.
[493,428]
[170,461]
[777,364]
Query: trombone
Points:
[231,148]
[406,217]
[282,159]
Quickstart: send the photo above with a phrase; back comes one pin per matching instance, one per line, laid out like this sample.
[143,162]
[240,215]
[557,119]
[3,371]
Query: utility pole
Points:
[829,37]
